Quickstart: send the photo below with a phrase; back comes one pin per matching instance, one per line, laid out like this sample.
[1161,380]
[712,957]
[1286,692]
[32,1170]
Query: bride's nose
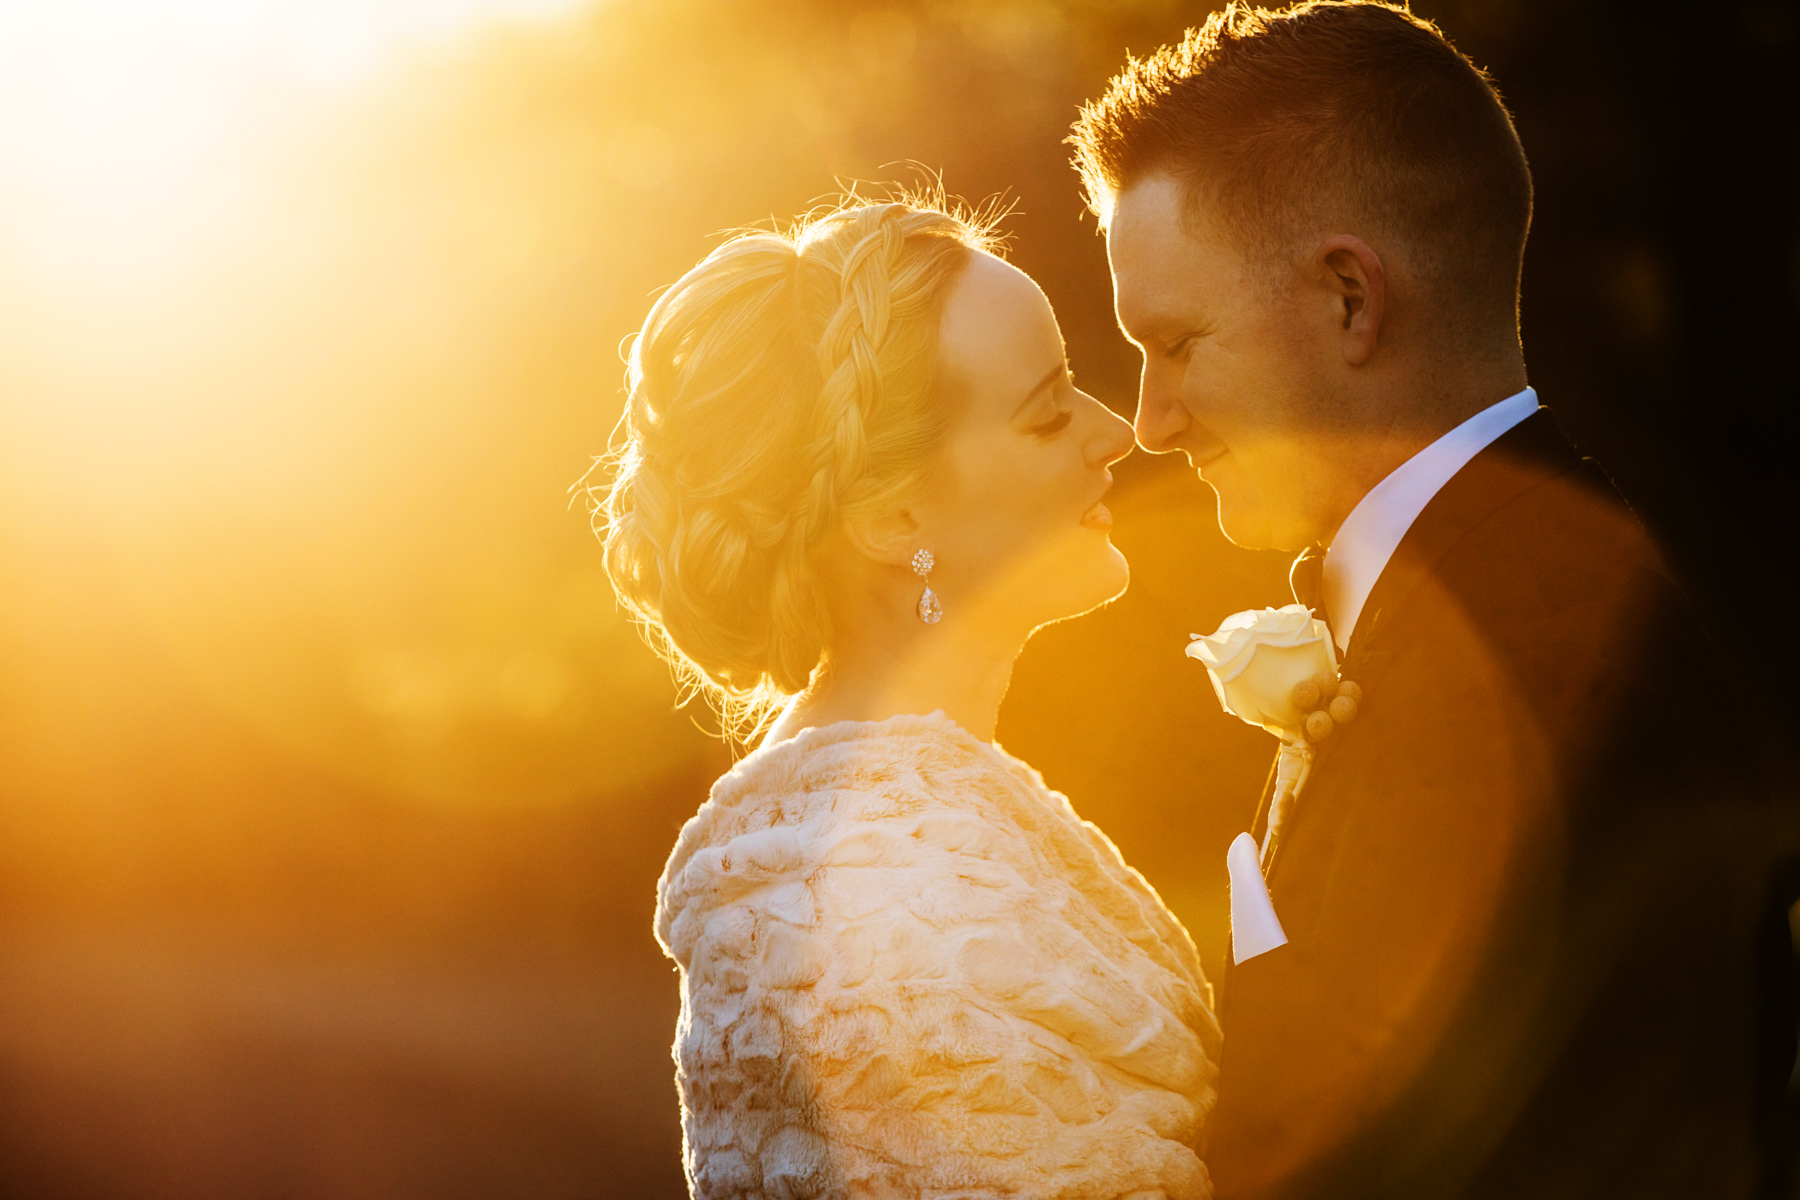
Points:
[1111,436]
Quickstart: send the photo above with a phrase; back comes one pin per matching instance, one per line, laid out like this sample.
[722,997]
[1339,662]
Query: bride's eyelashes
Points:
[1064,413]
[1055,402]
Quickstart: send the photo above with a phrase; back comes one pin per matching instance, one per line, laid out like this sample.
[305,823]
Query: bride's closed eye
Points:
[1064,413]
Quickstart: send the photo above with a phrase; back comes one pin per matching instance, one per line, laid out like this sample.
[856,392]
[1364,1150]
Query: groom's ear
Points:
[1352,274]
[890,539]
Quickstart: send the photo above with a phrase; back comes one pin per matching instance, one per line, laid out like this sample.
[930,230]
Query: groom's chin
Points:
[1252,525]
[1243,525]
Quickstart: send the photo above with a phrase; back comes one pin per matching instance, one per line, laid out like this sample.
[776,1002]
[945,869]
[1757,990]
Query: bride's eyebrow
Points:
[1050,377]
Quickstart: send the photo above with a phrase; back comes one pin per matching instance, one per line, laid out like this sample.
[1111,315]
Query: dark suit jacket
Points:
[1522,889]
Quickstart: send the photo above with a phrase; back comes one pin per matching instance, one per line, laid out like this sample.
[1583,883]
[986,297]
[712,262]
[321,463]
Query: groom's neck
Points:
[1451,387]
[1403,415]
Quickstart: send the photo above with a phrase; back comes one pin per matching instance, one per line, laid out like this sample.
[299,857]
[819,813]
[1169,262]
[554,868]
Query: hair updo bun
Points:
[782,385]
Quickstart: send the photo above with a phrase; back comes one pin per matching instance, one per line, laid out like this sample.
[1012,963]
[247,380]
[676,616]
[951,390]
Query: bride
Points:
[856,475]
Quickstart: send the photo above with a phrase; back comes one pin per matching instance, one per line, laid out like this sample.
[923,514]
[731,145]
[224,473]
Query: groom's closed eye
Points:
[1172,346]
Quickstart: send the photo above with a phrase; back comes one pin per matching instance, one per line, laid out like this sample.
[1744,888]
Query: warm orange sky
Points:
[273,299]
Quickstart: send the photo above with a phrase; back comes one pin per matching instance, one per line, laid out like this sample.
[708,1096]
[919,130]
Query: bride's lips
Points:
[1099,516]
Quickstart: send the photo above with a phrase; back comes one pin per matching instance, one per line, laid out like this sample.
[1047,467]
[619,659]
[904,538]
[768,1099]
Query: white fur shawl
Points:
[908,969]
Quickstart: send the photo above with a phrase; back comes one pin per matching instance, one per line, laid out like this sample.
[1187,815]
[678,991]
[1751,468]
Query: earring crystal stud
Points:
[931,610]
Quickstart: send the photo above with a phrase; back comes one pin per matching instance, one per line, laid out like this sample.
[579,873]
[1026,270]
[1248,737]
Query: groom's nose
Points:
[1161,416]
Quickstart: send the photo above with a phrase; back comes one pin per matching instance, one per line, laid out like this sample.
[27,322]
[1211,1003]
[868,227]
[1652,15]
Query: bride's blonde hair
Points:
[781,387]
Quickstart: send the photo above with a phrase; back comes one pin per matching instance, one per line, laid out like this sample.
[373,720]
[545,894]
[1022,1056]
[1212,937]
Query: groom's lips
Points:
[1201,462]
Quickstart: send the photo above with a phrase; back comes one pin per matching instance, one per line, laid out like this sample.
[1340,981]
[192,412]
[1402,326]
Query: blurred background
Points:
[333,790]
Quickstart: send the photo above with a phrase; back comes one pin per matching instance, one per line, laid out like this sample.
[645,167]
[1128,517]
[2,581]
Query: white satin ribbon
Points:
[1292,765]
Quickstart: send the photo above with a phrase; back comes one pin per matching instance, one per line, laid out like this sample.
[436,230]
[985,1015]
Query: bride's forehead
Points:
[994,313]
[998,337]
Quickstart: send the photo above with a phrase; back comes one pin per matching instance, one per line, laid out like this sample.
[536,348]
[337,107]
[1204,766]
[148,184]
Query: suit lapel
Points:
[1526,456]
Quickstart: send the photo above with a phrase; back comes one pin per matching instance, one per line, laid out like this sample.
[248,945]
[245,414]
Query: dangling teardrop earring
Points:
[931,610]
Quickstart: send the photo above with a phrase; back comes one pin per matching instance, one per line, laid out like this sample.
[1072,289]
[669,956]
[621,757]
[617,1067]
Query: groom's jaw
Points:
[1259,508]
[1240,524]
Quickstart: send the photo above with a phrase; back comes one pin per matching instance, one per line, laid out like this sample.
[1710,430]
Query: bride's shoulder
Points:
[821,783]
[900,794]
[917,756]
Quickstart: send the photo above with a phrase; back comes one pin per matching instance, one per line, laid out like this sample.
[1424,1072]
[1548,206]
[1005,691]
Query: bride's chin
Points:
[1101,583]
[1122,573]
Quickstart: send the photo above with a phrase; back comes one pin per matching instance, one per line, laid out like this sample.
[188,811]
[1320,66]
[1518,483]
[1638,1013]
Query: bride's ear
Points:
[889,540]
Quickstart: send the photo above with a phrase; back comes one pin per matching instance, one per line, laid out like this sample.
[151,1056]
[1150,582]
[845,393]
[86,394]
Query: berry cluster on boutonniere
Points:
[1327,702]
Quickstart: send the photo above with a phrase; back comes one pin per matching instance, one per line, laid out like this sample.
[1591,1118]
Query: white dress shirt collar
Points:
[1369,535]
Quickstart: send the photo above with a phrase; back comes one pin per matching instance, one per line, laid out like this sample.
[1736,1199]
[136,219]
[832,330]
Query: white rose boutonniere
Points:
[1276,668]
[1259,658]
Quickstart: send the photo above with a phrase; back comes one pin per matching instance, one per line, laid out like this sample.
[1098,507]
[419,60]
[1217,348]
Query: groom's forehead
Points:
[1156,231]
[1152,252]
[1145,212]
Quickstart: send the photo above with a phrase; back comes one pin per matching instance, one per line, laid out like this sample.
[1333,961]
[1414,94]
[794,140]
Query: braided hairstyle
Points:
[781,387]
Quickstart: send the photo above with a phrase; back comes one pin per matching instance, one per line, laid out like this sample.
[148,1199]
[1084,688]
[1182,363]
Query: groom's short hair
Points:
[1279,123]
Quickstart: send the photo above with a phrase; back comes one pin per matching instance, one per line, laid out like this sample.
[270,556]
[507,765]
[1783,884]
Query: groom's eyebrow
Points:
[1050,377]
[1143,328]
[1128,322]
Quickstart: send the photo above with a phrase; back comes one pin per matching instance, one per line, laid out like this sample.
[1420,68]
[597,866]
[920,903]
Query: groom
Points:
[1527,892]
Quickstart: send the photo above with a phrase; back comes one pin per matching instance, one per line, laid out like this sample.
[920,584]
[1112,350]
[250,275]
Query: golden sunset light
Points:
[337,779]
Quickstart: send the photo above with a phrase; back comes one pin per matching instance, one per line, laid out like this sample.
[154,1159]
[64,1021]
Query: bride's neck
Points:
[876,674]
